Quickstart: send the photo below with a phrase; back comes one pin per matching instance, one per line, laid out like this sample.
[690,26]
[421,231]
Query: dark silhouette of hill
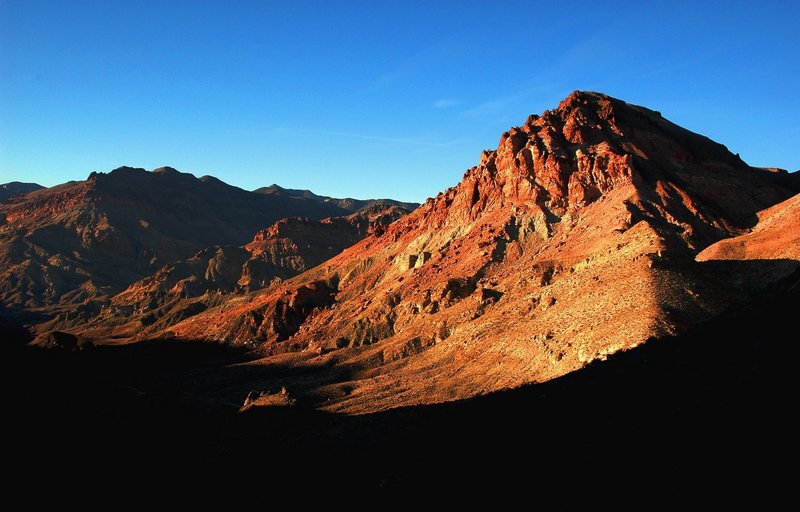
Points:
[347,203]
[14,188]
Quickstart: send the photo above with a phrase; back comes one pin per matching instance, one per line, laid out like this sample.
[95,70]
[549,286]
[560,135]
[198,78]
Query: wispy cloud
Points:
[404,69]
[547,82]
[445,103]
[500,104]
[414,141]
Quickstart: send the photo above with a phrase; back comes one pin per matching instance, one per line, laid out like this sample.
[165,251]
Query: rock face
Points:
[87,240]
[572,240]
[187,287]
[15,188]
[293,245]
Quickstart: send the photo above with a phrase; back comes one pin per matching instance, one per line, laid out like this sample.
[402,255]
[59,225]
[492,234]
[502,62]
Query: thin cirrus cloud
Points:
[501,104]
[445,103]
[413,141]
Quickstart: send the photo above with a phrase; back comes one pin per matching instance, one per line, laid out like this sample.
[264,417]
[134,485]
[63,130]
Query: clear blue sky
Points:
[369,99]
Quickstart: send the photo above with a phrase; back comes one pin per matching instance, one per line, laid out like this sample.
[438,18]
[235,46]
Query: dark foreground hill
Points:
[713,401]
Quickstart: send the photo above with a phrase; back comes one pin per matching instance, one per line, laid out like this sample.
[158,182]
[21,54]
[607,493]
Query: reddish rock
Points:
[187,287]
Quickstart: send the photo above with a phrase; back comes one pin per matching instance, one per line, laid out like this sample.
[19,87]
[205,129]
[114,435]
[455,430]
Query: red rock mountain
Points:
[187,287]
[591,229]
[574,239]
[89,240]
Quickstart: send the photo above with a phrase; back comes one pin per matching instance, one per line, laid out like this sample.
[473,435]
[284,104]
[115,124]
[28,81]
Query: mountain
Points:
[67,245]
[575,239]
[186,287]
[346,203]
[14,188]
[597,237]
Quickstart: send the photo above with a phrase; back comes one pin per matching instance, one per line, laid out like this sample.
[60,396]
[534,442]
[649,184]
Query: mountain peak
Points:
[166,170]
[577,97]
[574,239]
[127,169]
[593,144]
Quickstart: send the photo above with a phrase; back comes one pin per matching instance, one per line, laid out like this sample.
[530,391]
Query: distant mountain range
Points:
[15,188]
[346,203]
[85,241]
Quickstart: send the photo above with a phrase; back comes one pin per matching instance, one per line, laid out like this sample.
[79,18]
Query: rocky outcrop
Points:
[293,245]
[574,239]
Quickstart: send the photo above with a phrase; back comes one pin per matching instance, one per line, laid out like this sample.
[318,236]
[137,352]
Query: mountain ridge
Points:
[13,188]
[82,240]
[345,202]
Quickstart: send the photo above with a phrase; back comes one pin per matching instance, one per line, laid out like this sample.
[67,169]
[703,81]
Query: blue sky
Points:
[369,99]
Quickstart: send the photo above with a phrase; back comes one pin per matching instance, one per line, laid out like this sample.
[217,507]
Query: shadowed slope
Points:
[777,235]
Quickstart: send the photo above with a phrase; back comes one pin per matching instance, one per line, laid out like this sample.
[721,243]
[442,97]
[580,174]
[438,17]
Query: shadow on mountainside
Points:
[717,400]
